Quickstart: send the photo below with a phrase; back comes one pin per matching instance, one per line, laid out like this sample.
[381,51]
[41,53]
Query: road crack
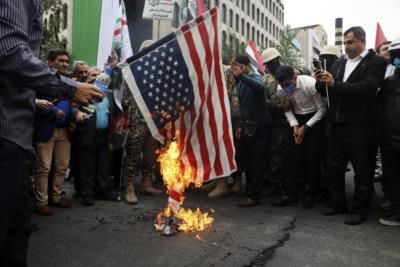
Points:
[268,253]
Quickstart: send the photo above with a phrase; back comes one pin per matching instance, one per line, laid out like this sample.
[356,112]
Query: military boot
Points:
[130,196]
[209,186]
[237,185]
[221,189]
[147,187]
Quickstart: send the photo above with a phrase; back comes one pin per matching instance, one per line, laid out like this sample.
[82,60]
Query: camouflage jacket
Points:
[277,115]
[129,105]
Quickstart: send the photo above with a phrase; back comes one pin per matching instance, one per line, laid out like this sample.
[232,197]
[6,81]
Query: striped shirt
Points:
[22,74]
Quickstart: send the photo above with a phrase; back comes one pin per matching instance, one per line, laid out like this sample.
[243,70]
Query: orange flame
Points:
[178,180]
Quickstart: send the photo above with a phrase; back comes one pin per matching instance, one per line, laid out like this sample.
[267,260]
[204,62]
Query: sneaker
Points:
[44,210]
[392,219]
[61,203]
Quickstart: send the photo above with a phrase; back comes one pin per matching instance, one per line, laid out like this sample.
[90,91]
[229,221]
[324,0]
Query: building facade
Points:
[310,40]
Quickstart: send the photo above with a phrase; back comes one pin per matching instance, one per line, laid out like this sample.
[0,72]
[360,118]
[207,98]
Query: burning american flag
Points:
[179,86]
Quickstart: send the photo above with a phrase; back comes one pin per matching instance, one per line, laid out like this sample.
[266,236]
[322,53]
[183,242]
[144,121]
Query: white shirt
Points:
[305,99]
[352,63]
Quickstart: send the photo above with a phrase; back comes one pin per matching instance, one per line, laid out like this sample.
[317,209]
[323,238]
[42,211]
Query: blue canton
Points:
[164,83]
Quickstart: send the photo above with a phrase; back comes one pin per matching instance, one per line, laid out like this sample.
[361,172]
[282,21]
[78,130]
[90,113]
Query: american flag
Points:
[179,86]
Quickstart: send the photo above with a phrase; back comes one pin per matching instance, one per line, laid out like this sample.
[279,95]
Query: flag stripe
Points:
[227,130]
[200,128]
[212,122]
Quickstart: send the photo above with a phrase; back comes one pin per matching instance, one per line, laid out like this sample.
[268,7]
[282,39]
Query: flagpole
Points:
[326,86]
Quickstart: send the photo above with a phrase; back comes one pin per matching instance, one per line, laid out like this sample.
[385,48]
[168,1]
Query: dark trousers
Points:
[15,206]
[355,144]
[95,165]
[391,177]
[304,159]
[253,156]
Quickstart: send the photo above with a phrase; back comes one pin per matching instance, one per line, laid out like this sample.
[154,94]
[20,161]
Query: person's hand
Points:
[80,116]
[300,135]
[71,127]
[295,128]
[238,133]
[42,104]
[324,77]
[60,114]
[86,93]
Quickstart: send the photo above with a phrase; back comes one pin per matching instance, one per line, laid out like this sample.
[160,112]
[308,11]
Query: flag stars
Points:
[180,85]
[166,86]
[139,68]
[151,85]
[147,63]
[144,81]
[162,63]
[163,54]
[174,72]
[175,63]
[171,50]
[165,94]
[152,76]
[160,72]
[153,67]
[157,90]
[170,59]
[159,81]
[150,94]
[181,76]
[146,72]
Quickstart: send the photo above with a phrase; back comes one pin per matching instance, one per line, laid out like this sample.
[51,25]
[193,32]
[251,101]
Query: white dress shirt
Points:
[352,63]
[305,99]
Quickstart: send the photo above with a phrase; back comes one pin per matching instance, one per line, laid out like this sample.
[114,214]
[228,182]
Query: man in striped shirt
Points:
[22,75]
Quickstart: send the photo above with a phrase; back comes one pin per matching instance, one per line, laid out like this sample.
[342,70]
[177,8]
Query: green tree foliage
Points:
[52,23]
[289,54]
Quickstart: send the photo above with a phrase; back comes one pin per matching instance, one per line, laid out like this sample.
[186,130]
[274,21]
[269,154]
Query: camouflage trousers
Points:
[280,139]
[140,152]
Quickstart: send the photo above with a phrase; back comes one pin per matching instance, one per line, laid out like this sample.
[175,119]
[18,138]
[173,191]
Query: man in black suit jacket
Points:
[352,84]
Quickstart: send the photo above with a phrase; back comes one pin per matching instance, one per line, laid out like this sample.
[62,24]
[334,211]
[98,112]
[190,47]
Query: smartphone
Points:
[317,64]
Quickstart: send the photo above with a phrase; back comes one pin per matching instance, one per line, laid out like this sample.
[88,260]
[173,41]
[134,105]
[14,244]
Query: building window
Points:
[237,2]
[262,40]
[231,18]
[258,16]
[273,9]
[266,23]
[237,22]
[224,13]
[248,7]
[243,6]
[258,38]
[262,20]
[253,33]
[273,30]
[269,27]
[223,38]
[216,3]
[266,41]
[270,5]
[248,30]
[253,11]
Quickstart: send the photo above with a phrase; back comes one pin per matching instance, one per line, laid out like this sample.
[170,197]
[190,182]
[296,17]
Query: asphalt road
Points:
[116,234]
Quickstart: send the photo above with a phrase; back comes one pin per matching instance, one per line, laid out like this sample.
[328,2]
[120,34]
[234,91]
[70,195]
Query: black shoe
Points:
[333,210]
[285,201]
[87,201]
[109,195]
[308,202]
[355,219]
[392,219]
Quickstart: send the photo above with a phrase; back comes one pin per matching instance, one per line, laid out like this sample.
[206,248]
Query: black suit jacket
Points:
[353,102]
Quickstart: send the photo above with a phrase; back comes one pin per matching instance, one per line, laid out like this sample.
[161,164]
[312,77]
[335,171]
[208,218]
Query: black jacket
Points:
[251,92]
[389,100]
[353,102]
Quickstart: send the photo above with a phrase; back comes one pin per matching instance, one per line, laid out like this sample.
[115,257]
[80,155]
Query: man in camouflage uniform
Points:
[281,131]
[138,135]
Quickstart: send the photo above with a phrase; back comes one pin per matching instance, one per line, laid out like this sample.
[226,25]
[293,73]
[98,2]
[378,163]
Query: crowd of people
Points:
[294,130]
